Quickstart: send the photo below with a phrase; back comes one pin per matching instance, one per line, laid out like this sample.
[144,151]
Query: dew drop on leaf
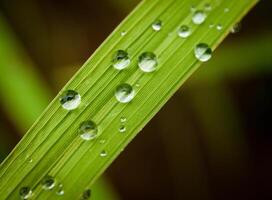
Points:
[48,183]
[148,62]
[219,27]
[203,52]
[124,93]
[120,60]
[25,193]
[122,129]
[157,25]
[103,153]
[199,17]
[88,130]
[70,100]
[86,194]
[184,31]
[236,28]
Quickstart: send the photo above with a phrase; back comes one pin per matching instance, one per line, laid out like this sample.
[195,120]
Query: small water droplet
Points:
[157,25]
[28,159]
[226,10]
[199,17]
[148,62]
[211,25]
[123,119]
[219,27]
[48,182]
[86,194]
[122,129]
[70,100]
[88,130]
[184,31]
[25,193]
[123,33]
[236,28]
[120,60]
[137,85]
[124,93]
[103,153]
[203,52]
[102,141]
[193,8]
[60,190]
[208,7]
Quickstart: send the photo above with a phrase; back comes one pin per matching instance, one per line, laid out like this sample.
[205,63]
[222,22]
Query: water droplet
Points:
[148,62]
[137,85]
[70,100]
[193,8]
[203,52]
[184,31]
[211,25]
[103,153]
[123,119]
[236,28]
[28,159]
[122,129]
[226,10]
[123,33]
[208,7]
[124,93]
[60,190]
[120,60]
[88,130]
[86,194]
[25,192]
[48,183]
[199,17]
[219,27]
[157,25]
[102,141]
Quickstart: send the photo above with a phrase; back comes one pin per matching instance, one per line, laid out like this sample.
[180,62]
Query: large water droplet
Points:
[48,183]
[103,153]
[70,100]
[86,194]
[236,28]
[157,25]
[120,60]
[184,31]
[148,62]
[203,52]
[199,17]
[124,93]
[25,192]
[88,130]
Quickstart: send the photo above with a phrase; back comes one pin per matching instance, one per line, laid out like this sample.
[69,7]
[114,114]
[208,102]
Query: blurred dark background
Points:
[212,140]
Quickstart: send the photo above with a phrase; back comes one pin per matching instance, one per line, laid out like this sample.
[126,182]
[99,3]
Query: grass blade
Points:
[53,142]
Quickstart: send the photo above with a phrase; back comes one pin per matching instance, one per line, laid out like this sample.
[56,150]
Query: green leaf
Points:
[53,142]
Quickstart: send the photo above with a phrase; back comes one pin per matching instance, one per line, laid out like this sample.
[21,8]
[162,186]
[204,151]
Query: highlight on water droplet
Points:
[25,193]
[103,153]
[122,129]
[199,17]
[88,130]
[70,100]
[236,28]
[86,194]
[48,183]
[184,31]
[148,62]
[157,25]
[120,60]
[219,27]
[203,52]
[124,93]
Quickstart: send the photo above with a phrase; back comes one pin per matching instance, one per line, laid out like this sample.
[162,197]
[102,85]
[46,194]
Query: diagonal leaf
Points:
[53,142]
